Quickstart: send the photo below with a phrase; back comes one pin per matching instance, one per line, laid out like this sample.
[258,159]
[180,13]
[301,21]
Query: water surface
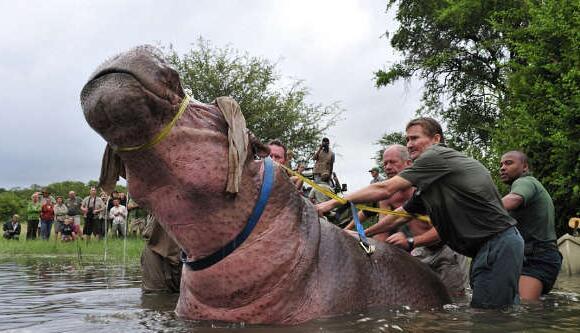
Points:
[55,294]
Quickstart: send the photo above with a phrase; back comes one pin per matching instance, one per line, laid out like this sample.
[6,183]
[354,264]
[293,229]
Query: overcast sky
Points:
[49,48]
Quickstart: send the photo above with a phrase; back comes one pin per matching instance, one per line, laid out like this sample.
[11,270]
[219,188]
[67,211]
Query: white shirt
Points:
[118,214]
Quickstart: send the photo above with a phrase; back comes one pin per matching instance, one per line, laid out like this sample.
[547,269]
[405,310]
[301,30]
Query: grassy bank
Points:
[112,250]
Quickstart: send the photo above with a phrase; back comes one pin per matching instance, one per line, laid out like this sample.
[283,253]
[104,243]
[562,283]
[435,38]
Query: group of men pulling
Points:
[511,240]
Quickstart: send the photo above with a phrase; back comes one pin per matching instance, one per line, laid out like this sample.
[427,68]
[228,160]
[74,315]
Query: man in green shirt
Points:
[531,205]
[457,192]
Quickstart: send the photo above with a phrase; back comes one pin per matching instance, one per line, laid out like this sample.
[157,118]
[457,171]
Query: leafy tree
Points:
[10,204]
[543,114]
[453,47]
[271,109]
[502,75]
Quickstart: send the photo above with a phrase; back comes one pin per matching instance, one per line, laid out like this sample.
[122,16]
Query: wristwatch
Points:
[411,243]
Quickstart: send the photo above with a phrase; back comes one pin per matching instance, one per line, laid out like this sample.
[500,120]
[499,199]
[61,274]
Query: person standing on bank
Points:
[458,194]
[60,213]
[119,216]
[46,219]
[32,216]
[74,208]
[91,206]
[531,205]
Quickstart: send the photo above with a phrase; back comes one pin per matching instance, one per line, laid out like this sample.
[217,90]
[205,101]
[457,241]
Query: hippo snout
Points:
[131,96]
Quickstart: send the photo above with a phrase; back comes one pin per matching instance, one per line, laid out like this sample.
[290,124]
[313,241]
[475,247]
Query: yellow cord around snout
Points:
[162,134]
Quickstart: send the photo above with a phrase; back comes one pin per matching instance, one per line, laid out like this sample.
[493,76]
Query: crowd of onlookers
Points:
[70,218]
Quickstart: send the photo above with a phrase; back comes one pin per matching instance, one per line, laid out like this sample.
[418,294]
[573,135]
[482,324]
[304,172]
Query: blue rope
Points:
[361,231]
[227,249]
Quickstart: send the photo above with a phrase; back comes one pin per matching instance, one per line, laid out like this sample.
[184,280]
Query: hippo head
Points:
[182,179]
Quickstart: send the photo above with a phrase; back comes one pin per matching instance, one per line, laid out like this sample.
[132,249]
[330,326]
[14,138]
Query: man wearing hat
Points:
[46,197]
[376,176]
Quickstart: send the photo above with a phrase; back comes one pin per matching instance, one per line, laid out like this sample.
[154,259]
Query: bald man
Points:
[531,205]
[395,159]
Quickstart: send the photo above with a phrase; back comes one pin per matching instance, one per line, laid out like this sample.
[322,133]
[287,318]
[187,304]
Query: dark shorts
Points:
[495,270]
[543,265]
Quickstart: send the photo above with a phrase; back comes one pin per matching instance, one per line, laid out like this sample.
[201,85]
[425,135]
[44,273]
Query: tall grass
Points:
[85,250]
[113,249]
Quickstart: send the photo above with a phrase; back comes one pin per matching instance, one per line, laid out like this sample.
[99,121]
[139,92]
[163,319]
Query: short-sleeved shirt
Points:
[535,215]
[324,162]
[74,206]
[95,203]
[458,193]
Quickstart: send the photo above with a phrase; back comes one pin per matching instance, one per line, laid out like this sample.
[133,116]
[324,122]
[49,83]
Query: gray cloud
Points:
[49,48]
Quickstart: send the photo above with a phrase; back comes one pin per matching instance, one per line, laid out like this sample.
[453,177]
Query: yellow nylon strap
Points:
[330,194]
[163,133]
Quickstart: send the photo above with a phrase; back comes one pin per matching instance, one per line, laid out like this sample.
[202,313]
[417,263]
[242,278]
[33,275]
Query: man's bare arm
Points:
[387,223]
[512,201]
[371,193]
[399,239]
[430,237]
[361,217]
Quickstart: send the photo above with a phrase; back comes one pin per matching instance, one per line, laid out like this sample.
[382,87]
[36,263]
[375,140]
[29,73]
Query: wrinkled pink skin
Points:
[292,268]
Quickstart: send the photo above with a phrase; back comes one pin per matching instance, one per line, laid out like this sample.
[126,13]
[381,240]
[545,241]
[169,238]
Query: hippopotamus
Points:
[293,267]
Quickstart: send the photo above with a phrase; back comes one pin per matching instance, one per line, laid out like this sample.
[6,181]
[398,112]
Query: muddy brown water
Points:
[52,294]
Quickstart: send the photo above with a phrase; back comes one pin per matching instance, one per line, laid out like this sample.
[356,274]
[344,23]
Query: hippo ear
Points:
[258,148]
